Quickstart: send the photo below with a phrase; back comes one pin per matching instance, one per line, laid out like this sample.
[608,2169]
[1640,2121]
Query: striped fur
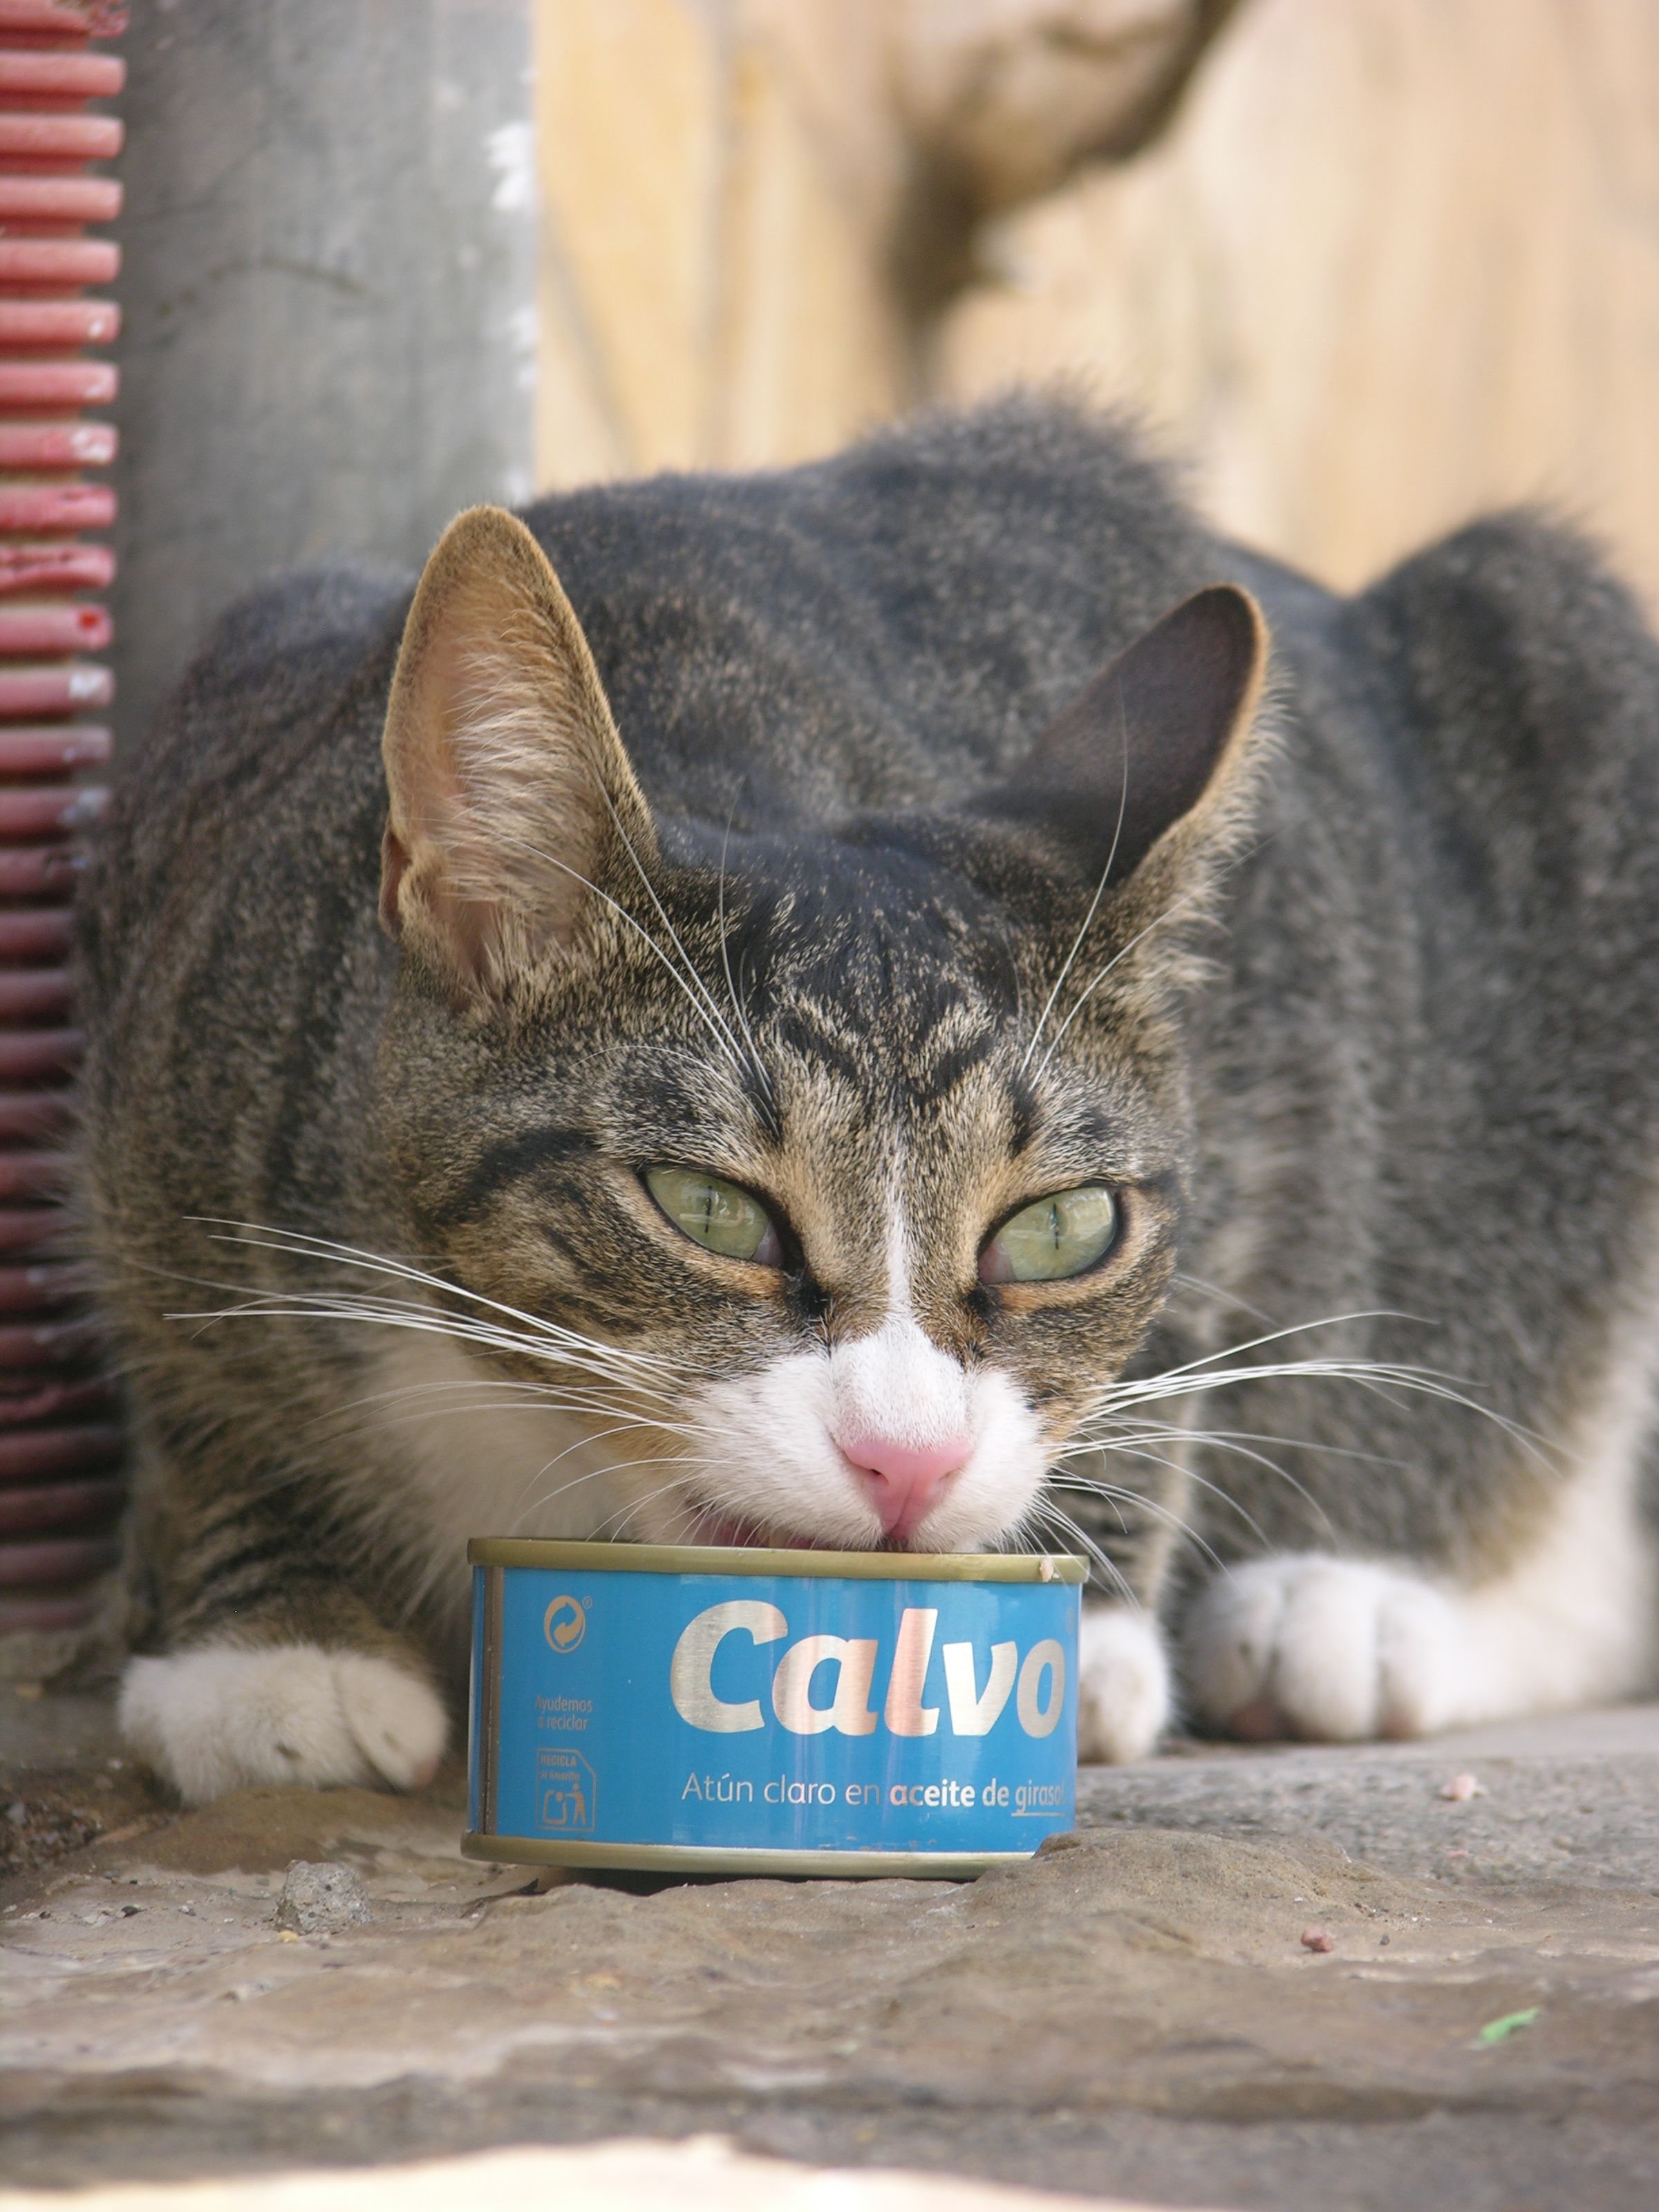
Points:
[784,827]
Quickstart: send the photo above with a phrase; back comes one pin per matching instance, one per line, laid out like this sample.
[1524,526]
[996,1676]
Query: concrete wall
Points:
[716,180]
[329,294]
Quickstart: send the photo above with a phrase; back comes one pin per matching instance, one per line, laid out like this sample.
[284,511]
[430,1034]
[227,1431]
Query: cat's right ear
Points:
[1142,758]
[510,793]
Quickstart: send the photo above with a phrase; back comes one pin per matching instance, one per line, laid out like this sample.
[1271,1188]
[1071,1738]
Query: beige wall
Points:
[1395,261]
[716,178]
[1391,261]
[729,189]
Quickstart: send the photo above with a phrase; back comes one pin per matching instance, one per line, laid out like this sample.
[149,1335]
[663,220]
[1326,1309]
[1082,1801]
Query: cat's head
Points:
[838,1174]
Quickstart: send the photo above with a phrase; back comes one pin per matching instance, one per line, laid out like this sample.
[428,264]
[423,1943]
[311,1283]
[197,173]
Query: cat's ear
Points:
[510,791]
[1149,742]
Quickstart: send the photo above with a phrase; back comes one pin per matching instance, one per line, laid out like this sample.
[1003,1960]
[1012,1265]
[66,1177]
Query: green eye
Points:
[1057,1238]
[716,1214]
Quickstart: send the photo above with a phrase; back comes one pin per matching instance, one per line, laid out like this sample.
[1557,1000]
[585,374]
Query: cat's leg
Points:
[1123,1684]
[1313,1645]
[271,1671]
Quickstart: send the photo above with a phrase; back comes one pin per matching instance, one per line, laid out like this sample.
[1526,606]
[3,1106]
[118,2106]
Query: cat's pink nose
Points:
[905,1479]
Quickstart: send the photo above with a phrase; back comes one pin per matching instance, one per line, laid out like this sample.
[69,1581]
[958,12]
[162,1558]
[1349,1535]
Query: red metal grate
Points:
[60,1441]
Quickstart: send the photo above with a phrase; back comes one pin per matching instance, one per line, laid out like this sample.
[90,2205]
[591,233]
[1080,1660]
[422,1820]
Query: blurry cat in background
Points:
[821,1008]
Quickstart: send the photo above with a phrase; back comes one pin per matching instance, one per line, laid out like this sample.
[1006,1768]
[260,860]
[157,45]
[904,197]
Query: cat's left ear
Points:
[1149,743]
[512,798]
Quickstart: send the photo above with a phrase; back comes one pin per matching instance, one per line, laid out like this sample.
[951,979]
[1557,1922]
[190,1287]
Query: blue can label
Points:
[748,1712]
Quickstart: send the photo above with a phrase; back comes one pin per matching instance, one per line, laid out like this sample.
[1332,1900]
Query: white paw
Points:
[221,1718]
[1123,1684]
[1334,1649]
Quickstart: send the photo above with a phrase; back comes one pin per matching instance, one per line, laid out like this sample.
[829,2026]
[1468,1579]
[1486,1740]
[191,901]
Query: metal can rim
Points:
[737,1559]
[758,1864]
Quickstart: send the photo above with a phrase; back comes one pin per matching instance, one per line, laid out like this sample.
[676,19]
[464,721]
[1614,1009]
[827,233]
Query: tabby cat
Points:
[870,1005]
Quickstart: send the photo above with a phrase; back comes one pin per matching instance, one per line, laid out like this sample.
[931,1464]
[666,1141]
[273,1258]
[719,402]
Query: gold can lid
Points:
[619,1558]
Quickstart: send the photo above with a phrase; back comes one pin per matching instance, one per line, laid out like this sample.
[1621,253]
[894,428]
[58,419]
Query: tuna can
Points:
[697,1710]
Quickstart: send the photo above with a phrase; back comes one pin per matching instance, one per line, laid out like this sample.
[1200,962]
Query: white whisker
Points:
[714,1012]
[595,1474]
[1380,1376]
[1094,903]
[1045,1510]
[726,962]
[533,1333]
[1134,1444]
[713,1023]
[1099,977]
[624,1514]
[1118,1497]
[389,1314]
[1222,1297]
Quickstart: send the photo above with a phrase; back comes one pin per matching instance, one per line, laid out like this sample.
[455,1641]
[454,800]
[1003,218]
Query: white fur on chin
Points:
[766,1446]
[223,1716]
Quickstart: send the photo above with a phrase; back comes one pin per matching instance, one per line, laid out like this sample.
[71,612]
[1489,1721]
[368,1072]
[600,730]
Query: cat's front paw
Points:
[1332,1649]
[221,1718]
[1123,1684]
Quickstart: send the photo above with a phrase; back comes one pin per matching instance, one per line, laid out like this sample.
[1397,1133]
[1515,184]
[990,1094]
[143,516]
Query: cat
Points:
[920,1000]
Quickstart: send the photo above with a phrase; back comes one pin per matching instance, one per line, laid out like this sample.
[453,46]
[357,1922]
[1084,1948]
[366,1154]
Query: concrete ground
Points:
[1134,2014]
